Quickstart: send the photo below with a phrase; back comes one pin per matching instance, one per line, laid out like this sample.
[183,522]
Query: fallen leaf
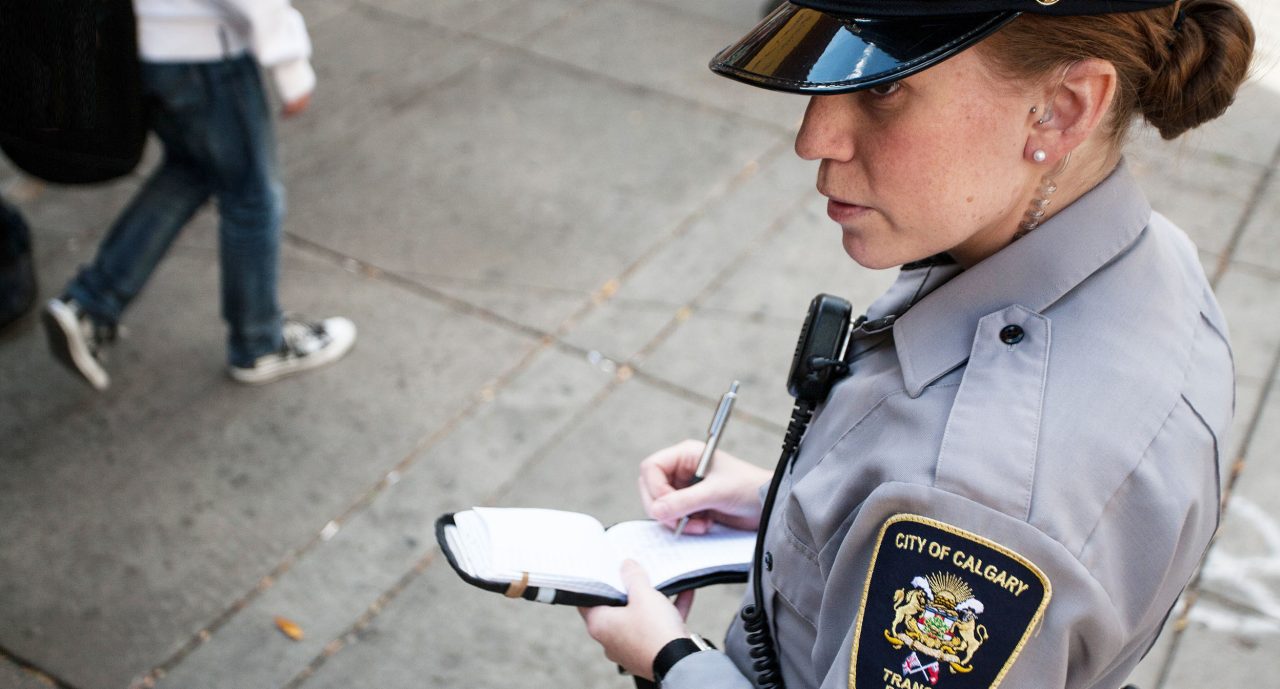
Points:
[289,628]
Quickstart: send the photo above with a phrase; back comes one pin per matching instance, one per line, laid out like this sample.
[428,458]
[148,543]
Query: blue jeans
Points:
[214,122]
[15,238]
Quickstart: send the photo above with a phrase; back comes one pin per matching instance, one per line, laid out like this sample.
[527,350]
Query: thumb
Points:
[684,603]
[634,577]
[683,502]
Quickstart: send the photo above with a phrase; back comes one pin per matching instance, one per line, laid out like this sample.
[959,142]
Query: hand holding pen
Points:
[714,431]
[672,486]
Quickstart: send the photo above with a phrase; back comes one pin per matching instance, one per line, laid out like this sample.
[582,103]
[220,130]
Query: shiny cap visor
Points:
[801,50]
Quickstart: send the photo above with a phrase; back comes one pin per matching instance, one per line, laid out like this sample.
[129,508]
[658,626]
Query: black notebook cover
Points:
[561,597]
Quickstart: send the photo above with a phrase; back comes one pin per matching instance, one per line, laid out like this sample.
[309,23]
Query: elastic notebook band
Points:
[516,589]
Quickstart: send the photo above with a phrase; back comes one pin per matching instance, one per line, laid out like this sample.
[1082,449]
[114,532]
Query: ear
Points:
[1076,107]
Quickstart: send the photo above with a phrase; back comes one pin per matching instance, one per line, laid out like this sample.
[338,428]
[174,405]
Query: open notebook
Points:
[570,558]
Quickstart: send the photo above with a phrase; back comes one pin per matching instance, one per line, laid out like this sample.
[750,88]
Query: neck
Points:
[1086,171]
[1090,163]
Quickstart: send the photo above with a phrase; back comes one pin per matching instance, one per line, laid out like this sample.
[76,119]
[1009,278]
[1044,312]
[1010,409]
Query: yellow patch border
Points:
[955,531]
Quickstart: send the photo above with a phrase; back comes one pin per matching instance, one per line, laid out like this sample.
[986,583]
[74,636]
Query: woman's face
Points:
[933,163]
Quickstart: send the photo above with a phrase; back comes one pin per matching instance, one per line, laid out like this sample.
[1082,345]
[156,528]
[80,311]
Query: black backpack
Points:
[71,108]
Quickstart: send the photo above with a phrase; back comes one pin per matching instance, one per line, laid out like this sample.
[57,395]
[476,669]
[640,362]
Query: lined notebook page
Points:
[665,556]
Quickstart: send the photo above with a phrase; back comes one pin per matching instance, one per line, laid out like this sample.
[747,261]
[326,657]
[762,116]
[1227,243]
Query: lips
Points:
[843,212]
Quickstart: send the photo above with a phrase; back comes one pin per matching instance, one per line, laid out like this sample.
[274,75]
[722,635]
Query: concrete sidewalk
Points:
[561,237]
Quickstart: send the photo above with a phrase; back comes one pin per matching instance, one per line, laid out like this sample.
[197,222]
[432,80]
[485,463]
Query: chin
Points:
[868,258]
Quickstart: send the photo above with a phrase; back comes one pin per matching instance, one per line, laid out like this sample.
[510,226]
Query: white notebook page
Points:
[555,545]
[665,556]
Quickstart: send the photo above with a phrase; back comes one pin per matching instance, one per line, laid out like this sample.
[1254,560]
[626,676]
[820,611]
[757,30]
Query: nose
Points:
[826,132]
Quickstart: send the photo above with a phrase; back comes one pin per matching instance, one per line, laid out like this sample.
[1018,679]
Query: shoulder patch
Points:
[942,608]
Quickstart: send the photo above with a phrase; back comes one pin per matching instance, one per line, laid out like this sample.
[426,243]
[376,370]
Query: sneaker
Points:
[307,345]
[77,341]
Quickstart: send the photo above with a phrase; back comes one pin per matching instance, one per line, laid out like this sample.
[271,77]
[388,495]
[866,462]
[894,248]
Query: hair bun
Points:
[1207,60]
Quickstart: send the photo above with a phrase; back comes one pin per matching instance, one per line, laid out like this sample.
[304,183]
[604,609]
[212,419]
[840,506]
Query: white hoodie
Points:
[204,30]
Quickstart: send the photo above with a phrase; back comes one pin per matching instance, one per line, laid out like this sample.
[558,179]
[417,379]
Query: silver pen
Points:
[713,438]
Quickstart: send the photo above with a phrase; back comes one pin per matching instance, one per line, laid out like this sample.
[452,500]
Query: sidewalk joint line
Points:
[1240,604]
[718,281]
[559,21]
[372,271]
[1192,592]
[682,228]
[29,667]
[677,390]
[1242,225]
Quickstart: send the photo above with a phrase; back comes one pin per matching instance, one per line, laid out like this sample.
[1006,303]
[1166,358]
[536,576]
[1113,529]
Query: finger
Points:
[669,468]
[646,497]
[684,603]
[634,577]
[655,484]
[679,459]
[698,525]
[685,501]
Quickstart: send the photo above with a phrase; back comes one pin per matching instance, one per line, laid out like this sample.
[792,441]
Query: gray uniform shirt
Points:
[1089,449]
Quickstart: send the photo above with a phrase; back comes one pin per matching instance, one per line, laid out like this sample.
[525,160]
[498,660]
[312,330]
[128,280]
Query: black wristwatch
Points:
[674,652]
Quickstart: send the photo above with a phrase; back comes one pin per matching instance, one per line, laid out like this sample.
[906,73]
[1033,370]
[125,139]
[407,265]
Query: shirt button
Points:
[768,561]
[1012,334]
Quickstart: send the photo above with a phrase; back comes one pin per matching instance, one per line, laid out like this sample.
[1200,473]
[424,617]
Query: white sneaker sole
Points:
[343,334]
[69,346]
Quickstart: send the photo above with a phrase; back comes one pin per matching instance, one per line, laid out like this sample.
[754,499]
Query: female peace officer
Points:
[1020,473]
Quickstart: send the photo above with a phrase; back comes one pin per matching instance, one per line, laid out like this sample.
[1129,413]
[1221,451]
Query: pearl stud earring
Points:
[1039,156]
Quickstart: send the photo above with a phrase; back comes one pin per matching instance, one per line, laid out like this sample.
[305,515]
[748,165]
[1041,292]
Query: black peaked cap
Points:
[838,46]
[944,8]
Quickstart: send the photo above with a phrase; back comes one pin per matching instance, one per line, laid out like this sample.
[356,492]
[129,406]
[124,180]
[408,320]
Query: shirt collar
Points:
[935,335]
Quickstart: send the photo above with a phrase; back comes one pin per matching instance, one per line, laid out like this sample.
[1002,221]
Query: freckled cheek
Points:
[902,172]
[973,180]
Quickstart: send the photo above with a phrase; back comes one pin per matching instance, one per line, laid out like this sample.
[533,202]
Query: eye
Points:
[883,90]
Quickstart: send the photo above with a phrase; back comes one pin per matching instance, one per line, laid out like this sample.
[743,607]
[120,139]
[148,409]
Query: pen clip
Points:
[722,410]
